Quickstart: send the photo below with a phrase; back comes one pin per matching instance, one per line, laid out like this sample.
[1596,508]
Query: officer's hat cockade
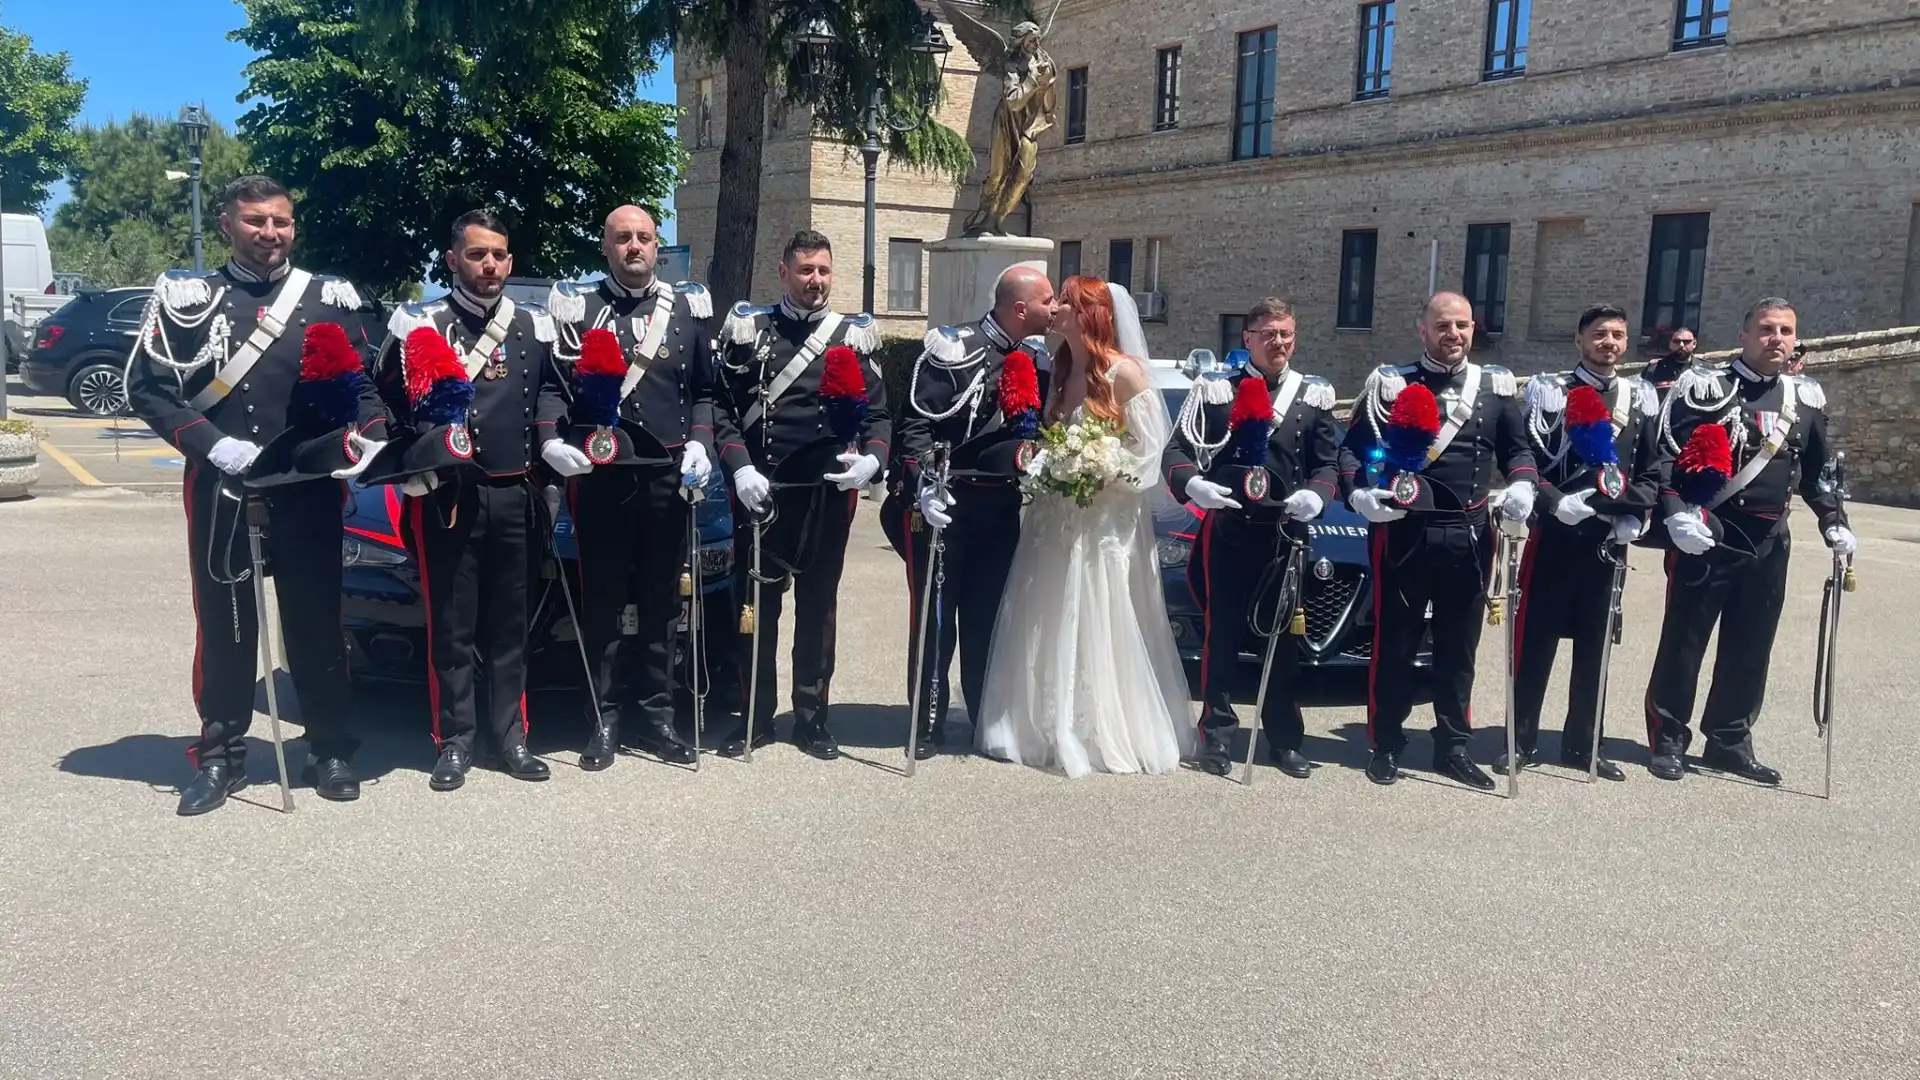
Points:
[441,396]
[323,418]
[843,394]
[1704,466]
[1249,426]
[598,430]
[1589,423]
[1409,434]
[1005,451]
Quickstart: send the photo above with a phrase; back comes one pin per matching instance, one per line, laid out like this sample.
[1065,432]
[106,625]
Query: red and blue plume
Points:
[1705,465]
[843,393]
[1020,395]
[1590,427]
[1250,422]
[597,377]
[1412,426]
[331,378]
[437,383]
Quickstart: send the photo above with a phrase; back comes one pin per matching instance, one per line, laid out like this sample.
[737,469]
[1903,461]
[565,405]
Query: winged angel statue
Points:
[1028,104]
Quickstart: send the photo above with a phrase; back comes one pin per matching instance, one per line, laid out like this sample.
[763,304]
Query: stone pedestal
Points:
[962,273]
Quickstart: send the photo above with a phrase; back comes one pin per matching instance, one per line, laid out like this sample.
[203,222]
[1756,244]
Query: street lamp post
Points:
[193,126]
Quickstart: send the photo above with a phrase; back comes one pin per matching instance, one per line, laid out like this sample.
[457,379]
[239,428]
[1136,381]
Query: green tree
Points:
[127,221]
[387,141]
[38,103]
[754,40]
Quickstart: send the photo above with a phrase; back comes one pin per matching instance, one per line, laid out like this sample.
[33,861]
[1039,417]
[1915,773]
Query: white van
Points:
[26,270]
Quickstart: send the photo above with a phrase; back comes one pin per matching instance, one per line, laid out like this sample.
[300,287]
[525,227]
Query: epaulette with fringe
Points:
[567,302]
[1645,398]
[699,300]
[945,345]
[1501,381]
[744,323]
[543,330]
[412,316]
[1385,382]
[862,334]
[1808,392]
[339,292]
[1546,394]
[1317,393]
[180,291]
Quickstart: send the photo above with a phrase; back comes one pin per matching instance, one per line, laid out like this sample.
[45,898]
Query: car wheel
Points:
[98,390]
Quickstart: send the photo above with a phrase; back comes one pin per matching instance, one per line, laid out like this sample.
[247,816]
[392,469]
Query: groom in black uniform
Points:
[1239,537]
[953,398]
[784,460]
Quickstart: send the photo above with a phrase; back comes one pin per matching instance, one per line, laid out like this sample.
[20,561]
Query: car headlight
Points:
[355,552]
[1172,552]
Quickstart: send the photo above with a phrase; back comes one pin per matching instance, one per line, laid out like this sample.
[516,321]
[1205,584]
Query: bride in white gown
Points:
[1084,675]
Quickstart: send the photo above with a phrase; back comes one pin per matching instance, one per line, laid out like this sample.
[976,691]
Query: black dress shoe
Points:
[519,763]
[603,746]
[1383,769]
[210,788]
[1294,764]
[1739,764]
[816,741]
[451,770]
[333,780]
[1605,770]
[659,738]
[735,744]
[1667,766]
[1461,767]
[928,744]
[1529,759]
[1216,750]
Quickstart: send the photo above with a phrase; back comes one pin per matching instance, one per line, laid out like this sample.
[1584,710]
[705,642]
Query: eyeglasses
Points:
[1271,337]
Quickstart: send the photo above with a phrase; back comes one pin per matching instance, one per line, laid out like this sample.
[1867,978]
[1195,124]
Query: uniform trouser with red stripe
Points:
[1417,561]
[1566,590]
[1234,554]
[1743,594]
[302,547]
[631,526]
[477,551]
[807,536]
[978,555]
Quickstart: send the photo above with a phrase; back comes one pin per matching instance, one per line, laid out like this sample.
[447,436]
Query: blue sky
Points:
[153,56]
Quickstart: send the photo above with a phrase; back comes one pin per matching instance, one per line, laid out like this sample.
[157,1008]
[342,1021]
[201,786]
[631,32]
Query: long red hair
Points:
[1093,309]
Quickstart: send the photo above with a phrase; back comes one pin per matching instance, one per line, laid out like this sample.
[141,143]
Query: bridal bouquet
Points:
[1076,460]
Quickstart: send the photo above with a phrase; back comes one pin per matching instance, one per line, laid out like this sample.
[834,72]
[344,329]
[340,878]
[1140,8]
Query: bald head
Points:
[1023,302]
[1446,328]
[631,243]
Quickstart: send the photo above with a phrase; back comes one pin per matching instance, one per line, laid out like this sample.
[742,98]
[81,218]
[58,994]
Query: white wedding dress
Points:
[1084,675]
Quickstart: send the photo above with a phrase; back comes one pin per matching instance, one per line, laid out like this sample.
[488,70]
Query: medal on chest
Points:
[496,367]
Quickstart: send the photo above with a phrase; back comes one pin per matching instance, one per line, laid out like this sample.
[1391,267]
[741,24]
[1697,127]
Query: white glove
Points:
[566,460]
[1371,503]
[1842,541]
[233,456]
[419,484]
[1690,533]
[934,508]
[367,447]
[1517,504]
[1208,495]
[695,467]
[861,469]
[751,488]
[1573,509]
[1304,505]
[1627,528]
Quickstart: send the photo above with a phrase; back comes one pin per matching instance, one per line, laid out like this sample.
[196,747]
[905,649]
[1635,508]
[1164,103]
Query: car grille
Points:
[1326,604]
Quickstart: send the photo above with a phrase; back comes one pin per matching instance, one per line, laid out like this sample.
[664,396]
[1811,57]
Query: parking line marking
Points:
[79,471]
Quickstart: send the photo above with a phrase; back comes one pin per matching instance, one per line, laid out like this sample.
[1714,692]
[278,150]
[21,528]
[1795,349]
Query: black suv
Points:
[80,351]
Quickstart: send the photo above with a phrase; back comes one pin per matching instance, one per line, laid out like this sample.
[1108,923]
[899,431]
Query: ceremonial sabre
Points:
[1840,581]
[256,521]
[751,617]
[691,588]
[1616,556]
[931,596]
[1506,557]
[1286,606]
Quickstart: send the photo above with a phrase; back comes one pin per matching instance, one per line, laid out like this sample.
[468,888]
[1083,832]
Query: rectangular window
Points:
[1676,271]
[1485,282]
[1373,75]
[1357,250]
[1699,23]
[903,275]
[702,113]
[1507,38]
[1120,263]
[1166,93]
[1069,260]
[1077,105]
[1231,327]
[1253,94]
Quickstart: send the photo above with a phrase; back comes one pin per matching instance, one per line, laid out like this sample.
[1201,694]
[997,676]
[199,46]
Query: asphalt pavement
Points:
[794,918]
